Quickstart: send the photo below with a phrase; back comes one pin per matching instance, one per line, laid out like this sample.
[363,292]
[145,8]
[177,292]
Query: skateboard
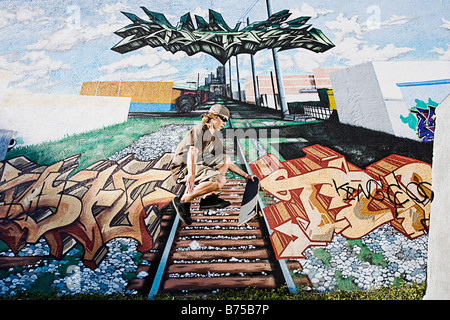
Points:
[249,206]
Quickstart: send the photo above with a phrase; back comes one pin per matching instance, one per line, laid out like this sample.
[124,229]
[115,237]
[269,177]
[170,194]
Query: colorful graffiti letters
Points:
[422,118]
[216,38]
[322,194]
[101,202]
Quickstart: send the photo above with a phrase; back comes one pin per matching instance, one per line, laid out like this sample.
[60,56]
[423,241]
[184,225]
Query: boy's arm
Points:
[234,168]
[191,167]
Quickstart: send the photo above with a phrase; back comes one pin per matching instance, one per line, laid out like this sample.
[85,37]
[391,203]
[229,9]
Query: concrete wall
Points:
[359,100]
[43,117]
[367,95]
[438,281]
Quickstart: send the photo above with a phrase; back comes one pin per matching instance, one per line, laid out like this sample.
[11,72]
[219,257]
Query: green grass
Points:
[376,259]
[412,291]
[94,145]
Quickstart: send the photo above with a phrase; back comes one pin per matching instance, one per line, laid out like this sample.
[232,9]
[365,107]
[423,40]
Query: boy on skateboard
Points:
[200,163]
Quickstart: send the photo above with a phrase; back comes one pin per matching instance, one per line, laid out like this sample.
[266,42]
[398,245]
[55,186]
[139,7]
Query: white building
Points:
[39,117]
[372,95]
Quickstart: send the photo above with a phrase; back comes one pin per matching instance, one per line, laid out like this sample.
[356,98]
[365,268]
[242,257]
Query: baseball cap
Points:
[220,110]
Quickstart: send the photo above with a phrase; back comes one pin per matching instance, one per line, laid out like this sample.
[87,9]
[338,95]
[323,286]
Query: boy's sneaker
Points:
[213,201]
[183,210]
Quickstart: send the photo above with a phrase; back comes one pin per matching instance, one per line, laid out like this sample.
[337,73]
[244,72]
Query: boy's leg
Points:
[211,182]
[182,205]
[204,188]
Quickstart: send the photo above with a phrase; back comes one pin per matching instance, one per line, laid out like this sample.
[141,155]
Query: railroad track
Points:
[215,253]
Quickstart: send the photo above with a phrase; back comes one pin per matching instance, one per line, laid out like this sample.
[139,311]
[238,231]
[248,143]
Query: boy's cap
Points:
[220,109]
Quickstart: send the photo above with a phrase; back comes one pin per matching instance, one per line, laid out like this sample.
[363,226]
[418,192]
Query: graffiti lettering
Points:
[101,202]
[322,194]
[216,38]
[419,192]
[422,118]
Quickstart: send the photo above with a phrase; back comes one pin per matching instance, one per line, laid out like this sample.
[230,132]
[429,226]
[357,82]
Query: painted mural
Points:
[422,118]
[322,195]
[104,201]
[337,118]
[216,38]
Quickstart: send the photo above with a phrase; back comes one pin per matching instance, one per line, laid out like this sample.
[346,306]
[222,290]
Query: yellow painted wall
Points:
[88,88]
[331,99]
[139,91]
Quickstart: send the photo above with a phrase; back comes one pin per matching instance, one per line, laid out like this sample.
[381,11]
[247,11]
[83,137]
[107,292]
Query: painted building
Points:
[267,86]
[145,95]
[311,91]
[378,95]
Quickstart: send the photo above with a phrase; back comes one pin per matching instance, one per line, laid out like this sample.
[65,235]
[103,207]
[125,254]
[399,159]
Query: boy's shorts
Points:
[204,172]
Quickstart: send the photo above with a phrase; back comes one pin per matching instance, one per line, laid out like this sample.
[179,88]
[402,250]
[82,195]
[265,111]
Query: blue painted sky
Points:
[52,46]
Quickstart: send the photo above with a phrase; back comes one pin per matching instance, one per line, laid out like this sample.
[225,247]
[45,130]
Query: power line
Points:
[248,11]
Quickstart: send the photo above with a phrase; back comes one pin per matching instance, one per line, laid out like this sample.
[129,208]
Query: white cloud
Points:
[67,38]
[307,60]
[355,51]
[158,72]
[74,33]
[350,46]
[24,14]
[343,26]
[112,9]
[444,55]
[445,24]
[32,69]
[146,64]
[201,12]
[309,11]
[5,18]
[285,60]
[396,20]
[132,61]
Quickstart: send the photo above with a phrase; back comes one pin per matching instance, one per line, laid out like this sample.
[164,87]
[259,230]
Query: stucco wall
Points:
[43,117]
[438,281]
[359,99]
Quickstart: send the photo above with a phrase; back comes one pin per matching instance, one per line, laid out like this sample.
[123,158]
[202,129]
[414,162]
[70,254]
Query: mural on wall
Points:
[322,195]
[422,119]
[85,191]
[107,200]
[216,38]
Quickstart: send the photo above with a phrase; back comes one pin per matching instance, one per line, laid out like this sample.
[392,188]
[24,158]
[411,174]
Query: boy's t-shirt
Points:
[209,144]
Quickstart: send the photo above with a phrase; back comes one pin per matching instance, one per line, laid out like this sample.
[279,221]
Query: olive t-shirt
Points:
[209,144]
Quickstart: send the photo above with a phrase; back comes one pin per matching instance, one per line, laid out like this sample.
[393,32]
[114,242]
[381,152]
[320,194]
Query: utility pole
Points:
[284,107]
[231,87]
[274,92]
[255,85]
[237,74]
